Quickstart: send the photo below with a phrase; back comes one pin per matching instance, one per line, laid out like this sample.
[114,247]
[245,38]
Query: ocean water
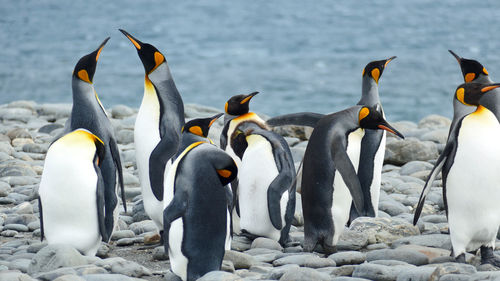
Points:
[301,56]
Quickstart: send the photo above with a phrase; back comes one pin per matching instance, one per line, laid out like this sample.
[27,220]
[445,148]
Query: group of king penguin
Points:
[193,189]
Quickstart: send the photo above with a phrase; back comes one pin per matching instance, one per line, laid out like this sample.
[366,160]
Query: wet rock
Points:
[55,256]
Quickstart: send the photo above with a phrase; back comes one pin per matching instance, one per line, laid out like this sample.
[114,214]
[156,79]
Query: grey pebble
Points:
[346,278]
[9,233]
[240,260]
[306,260]
[416,274]
[142,227]
[351,240]
[55,256]
[53,274]
[432,240]
[125,242]
[267,243]
[451,268]
[15,275]
[20,264]
[405,255]
[108,277]
[304,273]
[219,276]
[348,257]
[379,272]
[119,234]
[277,272]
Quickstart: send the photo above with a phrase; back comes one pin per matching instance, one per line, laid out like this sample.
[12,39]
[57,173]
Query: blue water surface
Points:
[301,55]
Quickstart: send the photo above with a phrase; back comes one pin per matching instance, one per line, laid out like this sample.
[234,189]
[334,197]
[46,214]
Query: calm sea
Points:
[301,56]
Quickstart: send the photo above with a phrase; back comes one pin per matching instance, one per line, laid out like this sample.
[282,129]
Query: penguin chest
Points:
[146,137]
[68,193]
[342,199]
[472,189]
[257,171]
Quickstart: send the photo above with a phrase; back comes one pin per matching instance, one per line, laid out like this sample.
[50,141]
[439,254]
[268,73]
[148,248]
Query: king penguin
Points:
[329,180]
[71,193]
[201,204]
[88,113]
[372,153]
[473,71]
[470,168]
[266,181]
[158,126]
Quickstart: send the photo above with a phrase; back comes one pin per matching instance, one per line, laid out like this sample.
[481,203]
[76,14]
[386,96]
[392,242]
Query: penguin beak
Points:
[98,51]
[457,57]
[214,118]
[389,60]
[389,128]
[248,97]
[137,43]
[490,87]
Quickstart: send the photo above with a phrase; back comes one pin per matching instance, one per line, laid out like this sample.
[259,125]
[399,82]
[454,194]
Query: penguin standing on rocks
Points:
[158,126]
[472,71]
[470,168]
[329,180]
[88,113]
[266,182]
[72,192]
[201,204]
[373,143]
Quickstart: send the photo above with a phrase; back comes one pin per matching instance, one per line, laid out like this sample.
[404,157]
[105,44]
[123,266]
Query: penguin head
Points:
[85,67]
[471,69]
[371,118]
[201,126]
[150,57]
[470,93]
[238,105]
[374,69]
[228,173]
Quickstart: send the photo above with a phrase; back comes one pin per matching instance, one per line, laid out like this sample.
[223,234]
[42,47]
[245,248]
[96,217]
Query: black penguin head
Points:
[374,69]
[238,105]
[471,69]
[85,67]
[228,173]
[471,93]
[371,118]
[200,126]
[150,56]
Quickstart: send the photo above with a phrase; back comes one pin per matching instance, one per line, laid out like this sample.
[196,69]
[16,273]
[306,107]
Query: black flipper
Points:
[108,172]
[116,158]
[309,119]
[173,211]
[104,229]
[344,165]
[162,153]
[42,234]
[223,136]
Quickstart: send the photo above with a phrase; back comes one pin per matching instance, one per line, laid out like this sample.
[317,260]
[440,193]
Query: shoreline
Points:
[385,248]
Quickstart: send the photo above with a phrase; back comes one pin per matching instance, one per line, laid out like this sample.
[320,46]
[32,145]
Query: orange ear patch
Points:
[225,107]
[363,74]
[224,173]
[82,74]
[211,122]
[469,77]
[363,113]
[461,96]
[159,58]
[196,130]
[376,74]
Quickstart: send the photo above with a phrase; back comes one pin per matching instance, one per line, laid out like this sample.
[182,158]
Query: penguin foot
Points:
[488,257]
[460,258]
[248,235]
[328,249]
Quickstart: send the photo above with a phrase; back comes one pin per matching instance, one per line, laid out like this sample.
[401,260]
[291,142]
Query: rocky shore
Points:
[385,248]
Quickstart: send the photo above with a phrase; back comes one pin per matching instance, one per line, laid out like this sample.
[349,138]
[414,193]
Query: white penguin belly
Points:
[146,137]
[68,193]
[342,199]
[257,171]
[472,184]
[377,174]
[178,261]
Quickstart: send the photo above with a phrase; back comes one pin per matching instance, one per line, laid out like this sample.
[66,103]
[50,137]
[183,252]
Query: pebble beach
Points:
[385,248]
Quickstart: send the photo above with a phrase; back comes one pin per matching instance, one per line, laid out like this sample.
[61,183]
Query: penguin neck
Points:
[188,139]
[228,117]
[483,79]
[491,101]
[459,111]
[85,99]
[369,92]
